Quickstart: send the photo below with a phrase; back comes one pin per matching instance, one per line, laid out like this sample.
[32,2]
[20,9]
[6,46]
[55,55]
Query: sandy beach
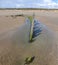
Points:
[14,46]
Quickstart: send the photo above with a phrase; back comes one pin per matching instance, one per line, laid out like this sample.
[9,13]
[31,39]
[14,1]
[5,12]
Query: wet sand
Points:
[14,46]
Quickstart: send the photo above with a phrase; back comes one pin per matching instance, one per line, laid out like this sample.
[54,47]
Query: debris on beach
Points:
[29,60]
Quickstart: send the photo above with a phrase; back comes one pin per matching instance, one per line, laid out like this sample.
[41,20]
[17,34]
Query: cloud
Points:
[51,4]
[28,4]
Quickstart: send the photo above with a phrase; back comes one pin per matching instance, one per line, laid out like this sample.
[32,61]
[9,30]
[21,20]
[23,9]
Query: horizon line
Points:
[29,8]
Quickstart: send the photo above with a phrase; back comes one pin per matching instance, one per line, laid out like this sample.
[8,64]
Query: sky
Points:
[29,4]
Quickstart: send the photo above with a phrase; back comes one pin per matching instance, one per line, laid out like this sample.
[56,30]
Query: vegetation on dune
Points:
[27,9]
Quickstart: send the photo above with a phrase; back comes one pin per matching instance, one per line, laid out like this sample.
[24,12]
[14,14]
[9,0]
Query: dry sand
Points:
[14,46]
